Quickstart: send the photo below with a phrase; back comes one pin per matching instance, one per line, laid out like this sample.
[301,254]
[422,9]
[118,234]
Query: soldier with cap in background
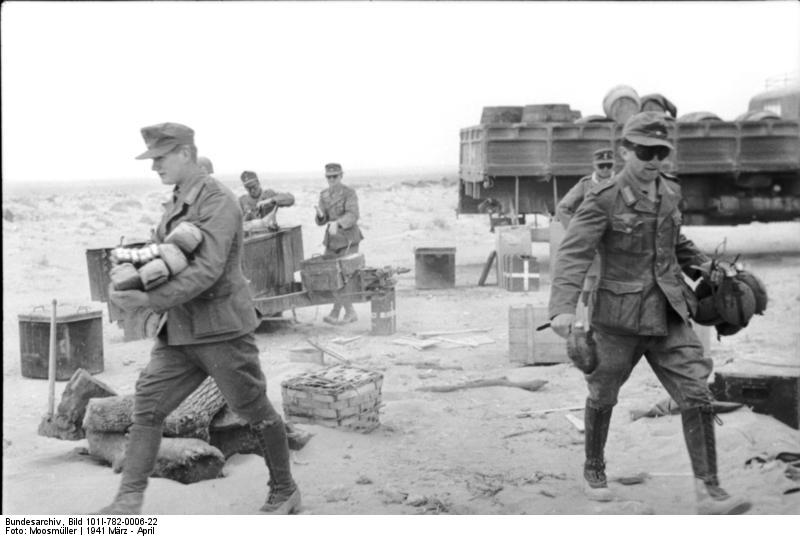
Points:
[603,164]
[207,326]
[338,208]
[641,304]
[261,203]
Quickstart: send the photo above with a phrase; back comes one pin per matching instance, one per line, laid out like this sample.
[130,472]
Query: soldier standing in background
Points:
[338,208]
[259,203]
[603,163]
[641,305]
[207,327]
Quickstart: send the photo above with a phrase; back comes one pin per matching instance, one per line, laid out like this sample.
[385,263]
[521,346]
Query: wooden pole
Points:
[51,369]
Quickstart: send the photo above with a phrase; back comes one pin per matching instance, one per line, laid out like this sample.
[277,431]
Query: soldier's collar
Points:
[631,190]
[189,190]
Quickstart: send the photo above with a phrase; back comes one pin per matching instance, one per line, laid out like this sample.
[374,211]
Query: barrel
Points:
[757,115]
[383,313]
[698,116]
[547,113]
[620,103]
[501,114]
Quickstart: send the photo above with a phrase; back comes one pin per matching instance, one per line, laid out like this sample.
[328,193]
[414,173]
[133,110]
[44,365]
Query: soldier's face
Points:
[254,189]
[171,167]
[645,170]
[603,169]
[333,178]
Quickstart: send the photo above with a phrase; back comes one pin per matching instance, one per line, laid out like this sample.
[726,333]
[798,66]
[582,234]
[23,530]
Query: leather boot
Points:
[284,496]
[698,431]
[140,459]
[349,314]
[333,316]
[596,422]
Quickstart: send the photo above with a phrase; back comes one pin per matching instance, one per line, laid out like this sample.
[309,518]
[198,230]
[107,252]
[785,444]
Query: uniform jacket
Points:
[643,256]
[341,206]
[248,203]
[210,299]
[573,198]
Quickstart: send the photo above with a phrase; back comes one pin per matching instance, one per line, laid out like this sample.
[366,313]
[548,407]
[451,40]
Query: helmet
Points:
[582,349]
[758,288]
[735,302]
[706,313]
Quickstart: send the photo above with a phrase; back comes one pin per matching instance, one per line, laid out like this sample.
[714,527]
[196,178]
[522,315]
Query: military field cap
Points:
[603,155]
[164,137]
[333,167]
[647,128]
[249,178]
[205,162]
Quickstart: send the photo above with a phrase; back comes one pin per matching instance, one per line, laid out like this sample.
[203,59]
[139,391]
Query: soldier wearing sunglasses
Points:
[641,305]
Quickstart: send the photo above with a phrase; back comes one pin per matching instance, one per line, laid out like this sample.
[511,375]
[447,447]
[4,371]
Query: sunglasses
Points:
[605,166]
[646,153]
[332,176]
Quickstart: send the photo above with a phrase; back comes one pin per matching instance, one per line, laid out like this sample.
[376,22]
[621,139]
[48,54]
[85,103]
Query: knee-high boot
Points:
[140,459]
[596,422]
[284,496]
[698,431]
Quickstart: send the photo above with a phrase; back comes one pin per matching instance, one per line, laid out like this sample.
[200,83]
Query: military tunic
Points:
[641,304]
[249,204]
[340,205]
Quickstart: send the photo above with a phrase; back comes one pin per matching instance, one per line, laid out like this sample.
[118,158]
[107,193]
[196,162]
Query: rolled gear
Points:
[581,348]
[173,257]
[154,274]
[125,277]
[185,236]
[735,302]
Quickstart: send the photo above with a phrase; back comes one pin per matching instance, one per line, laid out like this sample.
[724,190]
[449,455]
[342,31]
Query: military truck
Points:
[730,171]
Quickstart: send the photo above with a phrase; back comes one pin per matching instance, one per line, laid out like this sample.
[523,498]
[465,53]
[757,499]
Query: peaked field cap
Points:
[647,128]
[164,137]
[603,155]
[333,167]
[248,177]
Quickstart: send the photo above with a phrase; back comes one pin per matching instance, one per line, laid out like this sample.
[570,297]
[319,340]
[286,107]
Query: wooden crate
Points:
[338,396]
[529,347]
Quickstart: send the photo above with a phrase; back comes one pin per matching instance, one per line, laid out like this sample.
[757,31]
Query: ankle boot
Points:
[596,422]
[284,496]
[698,431]
[349,314]
[333,316]
[140,459]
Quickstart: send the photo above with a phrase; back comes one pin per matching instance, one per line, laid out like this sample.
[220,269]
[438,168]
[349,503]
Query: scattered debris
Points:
[436,333]
[419,344]
[544,411]
[429,365]
[529,385]
[576,422]
[668,406]
[547,493]
[363,480]
[415,500]
[527,431]
[337,494]
[345,340]
[328,351]
[467,341]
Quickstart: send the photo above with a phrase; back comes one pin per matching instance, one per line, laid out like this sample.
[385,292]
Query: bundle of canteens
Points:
[154,264]
[199,435]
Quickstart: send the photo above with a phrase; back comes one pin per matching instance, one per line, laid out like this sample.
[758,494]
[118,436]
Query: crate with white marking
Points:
[520,273]
[337,396]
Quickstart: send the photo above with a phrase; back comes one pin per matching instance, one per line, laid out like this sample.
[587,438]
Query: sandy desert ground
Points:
[464,452]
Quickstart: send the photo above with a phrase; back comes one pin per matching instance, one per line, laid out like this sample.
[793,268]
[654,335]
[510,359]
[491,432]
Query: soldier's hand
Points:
[333,227]
[128,300]
[715,271]
[562,324]
[267,204]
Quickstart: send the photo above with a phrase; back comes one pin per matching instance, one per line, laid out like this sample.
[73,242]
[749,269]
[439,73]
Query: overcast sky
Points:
[290,86]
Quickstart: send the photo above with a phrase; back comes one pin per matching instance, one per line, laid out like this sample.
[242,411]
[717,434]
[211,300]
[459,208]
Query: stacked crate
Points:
[338,396]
